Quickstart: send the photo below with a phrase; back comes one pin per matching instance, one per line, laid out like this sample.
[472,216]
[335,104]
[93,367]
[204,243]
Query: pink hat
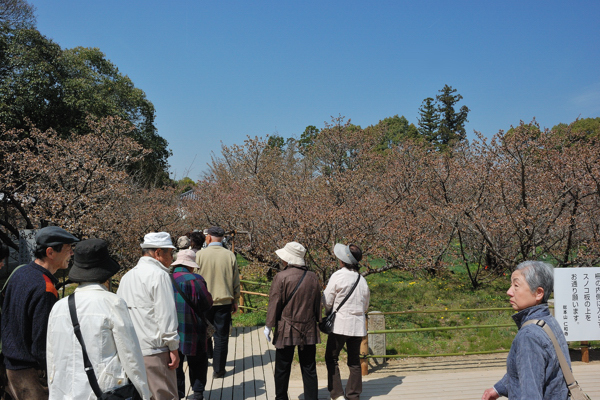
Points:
[186,257]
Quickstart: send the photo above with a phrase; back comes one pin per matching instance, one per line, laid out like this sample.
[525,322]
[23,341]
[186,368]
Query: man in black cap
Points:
[29,297]
[106,327]
[218,266]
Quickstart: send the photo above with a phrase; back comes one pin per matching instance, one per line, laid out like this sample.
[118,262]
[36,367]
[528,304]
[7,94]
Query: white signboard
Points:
[26,245]
[577,302]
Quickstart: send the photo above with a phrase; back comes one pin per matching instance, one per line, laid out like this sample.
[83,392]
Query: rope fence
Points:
[375,341]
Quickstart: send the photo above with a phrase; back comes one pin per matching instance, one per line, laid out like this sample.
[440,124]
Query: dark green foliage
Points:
[429,120]
[395,130]
[276,141]
[589,126]
[452,123]
[307,138]
[44,85]
[439,123]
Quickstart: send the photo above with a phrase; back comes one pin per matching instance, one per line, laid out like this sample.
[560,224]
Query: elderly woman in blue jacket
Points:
[532,367]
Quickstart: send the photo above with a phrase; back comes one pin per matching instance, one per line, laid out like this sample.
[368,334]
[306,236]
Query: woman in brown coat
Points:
[294,311]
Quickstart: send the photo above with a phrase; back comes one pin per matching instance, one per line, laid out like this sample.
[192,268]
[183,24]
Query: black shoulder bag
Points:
[127,392]
[326,326]
[210,328]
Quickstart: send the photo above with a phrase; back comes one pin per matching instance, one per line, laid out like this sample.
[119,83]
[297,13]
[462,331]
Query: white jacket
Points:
[350,320]
[110,341]
[148,292]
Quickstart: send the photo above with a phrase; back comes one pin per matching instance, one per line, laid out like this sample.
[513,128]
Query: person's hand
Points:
[174,354]
[234,308]
[490,394]
[268,333]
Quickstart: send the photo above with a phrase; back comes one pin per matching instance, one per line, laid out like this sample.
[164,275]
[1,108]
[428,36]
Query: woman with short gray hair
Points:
[532,367]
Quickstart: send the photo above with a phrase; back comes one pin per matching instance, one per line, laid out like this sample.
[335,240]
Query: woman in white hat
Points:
[349,327]
[294,311]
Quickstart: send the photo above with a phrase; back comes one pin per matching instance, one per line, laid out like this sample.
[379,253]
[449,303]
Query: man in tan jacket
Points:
[218,266]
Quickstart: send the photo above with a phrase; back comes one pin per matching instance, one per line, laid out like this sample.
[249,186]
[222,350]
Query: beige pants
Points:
[27,384]
[161,380]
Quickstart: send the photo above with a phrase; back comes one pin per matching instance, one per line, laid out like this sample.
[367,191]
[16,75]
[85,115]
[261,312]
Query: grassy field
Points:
[402,291]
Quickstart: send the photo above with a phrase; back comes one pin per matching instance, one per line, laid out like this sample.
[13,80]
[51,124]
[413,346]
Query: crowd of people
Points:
[133,343]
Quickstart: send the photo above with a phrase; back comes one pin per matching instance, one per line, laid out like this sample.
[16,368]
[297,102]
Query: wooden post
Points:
[241,302]
[585,352]
[364,351]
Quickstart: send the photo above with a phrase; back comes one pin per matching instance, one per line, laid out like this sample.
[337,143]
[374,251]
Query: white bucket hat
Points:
[343,253]
[292,253]
[187,258]
[157,240]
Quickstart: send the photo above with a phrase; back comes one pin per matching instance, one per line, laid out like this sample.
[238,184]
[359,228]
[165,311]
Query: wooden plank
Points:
[249,390]
[209,383]
[259,374]
[188,385]
[216,385]
[238,367]
[267,351]
[227,391]
[460,385]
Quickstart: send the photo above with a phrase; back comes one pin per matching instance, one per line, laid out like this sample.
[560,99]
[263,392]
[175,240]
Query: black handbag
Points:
[126,392]
[326,325]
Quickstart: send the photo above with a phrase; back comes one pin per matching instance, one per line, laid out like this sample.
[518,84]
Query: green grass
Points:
[401,291]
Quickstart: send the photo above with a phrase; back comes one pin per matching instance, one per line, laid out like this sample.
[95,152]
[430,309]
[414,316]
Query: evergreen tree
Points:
[429,121]
[452,123]
[276,141]
[307,139]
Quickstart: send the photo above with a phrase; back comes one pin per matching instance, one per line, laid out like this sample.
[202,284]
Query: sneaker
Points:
[196,396]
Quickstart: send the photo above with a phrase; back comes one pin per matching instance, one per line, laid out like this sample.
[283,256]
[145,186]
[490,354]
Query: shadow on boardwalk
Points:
[251,359]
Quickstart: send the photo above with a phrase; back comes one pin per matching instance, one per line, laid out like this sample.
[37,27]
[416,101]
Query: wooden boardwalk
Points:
[249,369]
[251,360]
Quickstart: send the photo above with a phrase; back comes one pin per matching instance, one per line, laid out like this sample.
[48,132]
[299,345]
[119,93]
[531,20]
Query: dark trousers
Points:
[197,370]
[220,317]
[308,367]
[335,343]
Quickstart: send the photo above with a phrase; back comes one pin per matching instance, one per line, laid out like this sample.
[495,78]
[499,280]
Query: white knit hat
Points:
[292,253]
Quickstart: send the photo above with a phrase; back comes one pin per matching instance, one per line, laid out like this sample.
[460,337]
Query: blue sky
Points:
[218,71]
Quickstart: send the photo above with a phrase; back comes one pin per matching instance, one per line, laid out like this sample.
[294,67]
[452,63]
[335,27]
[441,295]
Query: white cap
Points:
[157,240]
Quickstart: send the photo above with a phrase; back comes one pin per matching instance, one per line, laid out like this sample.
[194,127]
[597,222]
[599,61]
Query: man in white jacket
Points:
[106,328]
[148,292]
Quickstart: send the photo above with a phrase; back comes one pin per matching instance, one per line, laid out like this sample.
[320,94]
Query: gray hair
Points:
[538,274]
